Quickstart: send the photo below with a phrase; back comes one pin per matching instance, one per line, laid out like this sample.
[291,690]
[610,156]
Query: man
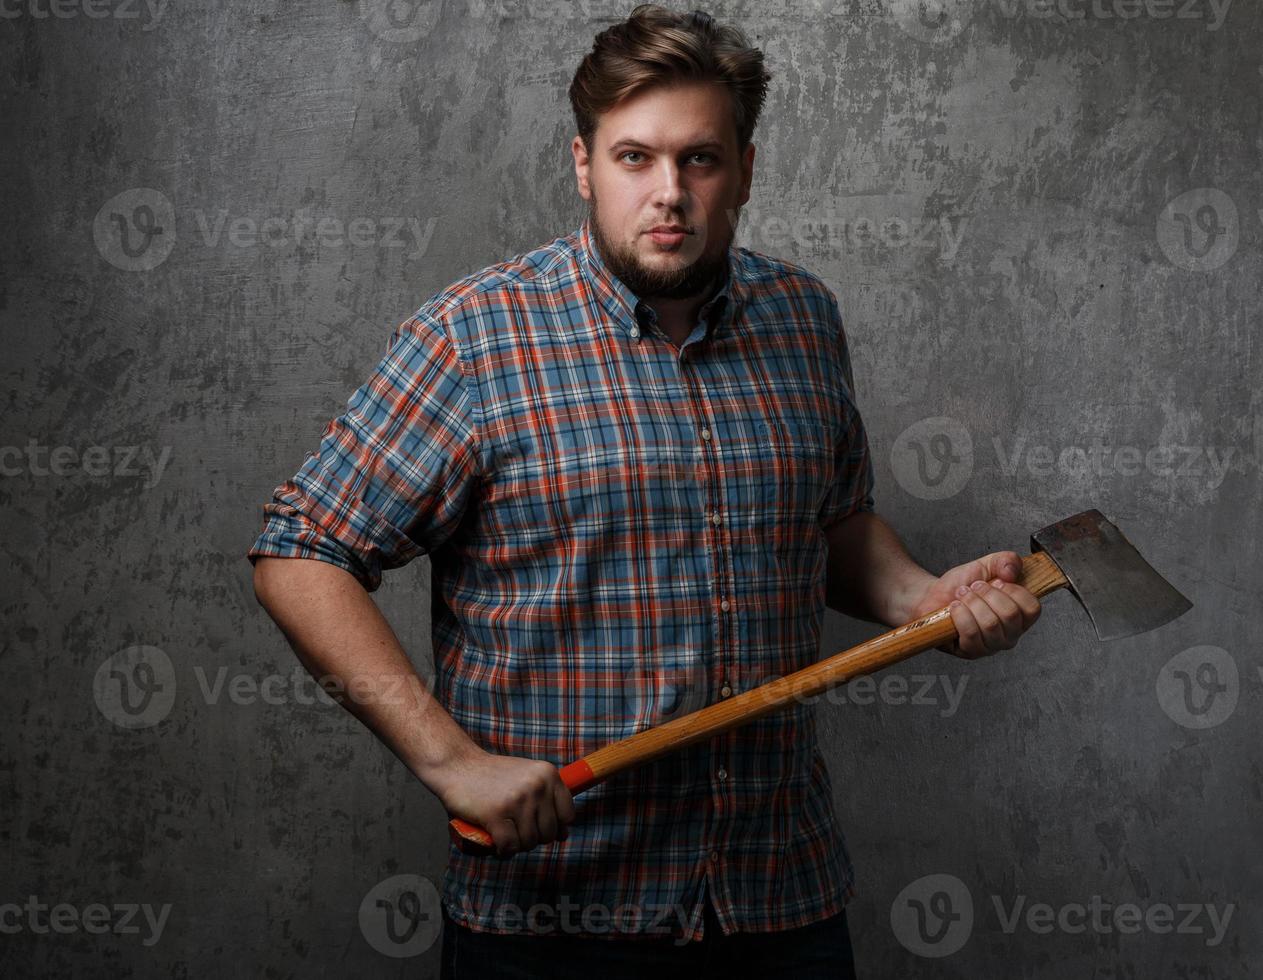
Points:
[635,460]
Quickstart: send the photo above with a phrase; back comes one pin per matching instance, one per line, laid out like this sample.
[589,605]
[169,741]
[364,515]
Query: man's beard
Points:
[704,271]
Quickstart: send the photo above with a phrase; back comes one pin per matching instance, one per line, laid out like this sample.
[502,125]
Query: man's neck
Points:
[677,317]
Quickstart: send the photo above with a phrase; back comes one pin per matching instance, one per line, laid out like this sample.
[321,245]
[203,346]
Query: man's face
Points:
[666,157]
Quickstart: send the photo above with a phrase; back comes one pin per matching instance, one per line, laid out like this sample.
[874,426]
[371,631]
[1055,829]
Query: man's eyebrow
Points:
[637,145]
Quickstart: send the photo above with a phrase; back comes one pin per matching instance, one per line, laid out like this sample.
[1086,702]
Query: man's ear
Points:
[581,167]
[747,173]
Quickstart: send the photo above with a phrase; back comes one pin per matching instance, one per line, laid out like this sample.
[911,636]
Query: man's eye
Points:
[626,153]
[709,157]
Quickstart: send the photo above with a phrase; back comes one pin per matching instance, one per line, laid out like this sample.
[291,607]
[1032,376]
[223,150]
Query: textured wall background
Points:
[1043,221]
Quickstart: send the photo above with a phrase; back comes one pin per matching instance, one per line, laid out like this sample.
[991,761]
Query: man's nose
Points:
[670,192]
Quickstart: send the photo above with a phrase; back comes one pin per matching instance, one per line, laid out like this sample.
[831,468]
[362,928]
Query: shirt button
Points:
[725,691]
[714,856]
[706,433]
[725,605]
[722,774]
[715,518]
[635,332]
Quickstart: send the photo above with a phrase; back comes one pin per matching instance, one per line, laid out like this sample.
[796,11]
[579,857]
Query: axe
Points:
[1086,554]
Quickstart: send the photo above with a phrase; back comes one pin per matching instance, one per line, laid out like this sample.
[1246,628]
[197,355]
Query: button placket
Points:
[714,491]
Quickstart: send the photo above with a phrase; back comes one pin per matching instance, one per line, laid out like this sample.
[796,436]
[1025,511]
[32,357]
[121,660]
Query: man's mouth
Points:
[668,234]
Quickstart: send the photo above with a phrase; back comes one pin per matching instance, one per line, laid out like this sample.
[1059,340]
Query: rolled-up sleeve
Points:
[393,474]
[852,487]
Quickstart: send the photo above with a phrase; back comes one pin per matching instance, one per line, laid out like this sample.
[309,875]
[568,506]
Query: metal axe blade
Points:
[1119,590]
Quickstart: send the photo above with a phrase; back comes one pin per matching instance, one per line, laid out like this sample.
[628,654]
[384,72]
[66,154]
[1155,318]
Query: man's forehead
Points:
[637,120]
[667,133]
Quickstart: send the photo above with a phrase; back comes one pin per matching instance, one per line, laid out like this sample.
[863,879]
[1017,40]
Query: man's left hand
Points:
[989,609]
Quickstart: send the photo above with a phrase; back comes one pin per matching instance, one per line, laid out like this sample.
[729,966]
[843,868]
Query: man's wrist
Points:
[441,766]
[900,603]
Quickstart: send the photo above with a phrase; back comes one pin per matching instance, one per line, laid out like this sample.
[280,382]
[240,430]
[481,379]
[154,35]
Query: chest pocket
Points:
[803,451]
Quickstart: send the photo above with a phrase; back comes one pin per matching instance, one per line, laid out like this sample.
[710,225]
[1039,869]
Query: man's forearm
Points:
[870,574]
[340,636]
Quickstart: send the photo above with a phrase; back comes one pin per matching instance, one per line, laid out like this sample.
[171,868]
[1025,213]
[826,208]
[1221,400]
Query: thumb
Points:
[1006,565]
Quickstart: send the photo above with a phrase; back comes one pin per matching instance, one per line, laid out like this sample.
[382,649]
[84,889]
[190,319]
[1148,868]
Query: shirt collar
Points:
[630,312]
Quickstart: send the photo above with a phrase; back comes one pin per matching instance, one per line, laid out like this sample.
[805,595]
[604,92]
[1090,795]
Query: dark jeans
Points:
[815,951]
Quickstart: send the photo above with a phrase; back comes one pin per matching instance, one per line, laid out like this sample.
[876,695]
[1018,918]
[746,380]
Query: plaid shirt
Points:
[620,532]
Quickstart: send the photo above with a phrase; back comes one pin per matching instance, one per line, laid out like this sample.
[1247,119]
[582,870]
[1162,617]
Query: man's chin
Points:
[668,262]
[666,265]
[648,269]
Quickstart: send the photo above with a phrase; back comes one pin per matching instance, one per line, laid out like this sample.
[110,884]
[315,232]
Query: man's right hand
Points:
[522,803]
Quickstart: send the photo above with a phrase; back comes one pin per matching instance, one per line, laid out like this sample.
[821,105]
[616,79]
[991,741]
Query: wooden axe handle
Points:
[1040,575]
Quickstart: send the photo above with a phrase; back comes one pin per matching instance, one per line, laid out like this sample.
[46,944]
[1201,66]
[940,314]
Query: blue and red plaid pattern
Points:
[621,531]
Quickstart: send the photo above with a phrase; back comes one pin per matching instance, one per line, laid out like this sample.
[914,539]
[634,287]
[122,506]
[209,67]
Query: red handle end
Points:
[469,838]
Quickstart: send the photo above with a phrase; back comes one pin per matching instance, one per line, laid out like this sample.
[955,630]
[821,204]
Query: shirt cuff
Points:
[289,533]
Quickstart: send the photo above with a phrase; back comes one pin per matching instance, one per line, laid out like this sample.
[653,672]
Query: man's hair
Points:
[656,46]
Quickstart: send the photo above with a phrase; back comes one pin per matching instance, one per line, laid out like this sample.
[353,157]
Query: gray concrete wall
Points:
[1043,222]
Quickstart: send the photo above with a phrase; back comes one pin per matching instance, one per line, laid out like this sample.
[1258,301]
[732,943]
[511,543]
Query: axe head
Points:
[1121,592]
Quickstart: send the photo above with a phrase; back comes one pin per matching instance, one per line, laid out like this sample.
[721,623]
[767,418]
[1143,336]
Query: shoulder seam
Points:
[511,271]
